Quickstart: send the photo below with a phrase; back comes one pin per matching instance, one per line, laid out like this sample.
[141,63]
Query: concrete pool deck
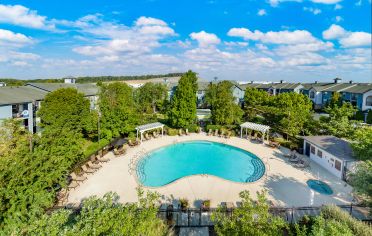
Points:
[285,185]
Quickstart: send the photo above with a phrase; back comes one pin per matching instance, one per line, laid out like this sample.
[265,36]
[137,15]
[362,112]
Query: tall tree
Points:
[151,96]
[361,180]
[118,110]
[182,110]
[224,110]
[253,100]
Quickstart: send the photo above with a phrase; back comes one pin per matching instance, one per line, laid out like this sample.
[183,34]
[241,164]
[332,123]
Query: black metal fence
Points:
[195,217]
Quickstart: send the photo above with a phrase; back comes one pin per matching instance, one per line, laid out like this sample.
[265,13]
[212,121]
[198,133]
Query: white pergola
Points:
[264,129]
[143,128]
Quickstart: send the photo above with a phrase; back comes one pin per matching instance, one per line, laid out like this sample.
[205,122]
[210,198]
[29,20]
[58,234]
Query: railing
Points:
[196,217]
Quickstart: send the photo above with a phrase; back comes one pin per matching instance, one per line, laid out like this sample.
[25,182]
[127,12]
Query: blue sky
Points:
[293,40]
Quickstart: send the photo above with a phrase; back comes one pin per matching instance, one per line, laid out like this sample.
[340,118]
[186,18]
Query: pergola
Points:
[143,128]
[264,129]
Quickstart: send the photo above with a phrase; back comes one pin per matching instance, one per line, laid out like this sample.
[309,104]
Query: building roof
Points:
[86,89]
[287,85]
[333,145]
[359,88]
[21,94]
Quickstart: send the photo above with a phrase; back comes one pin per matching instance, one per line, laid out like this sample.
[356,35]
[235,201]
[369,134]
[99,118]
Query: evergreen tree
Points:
[182,112]
[151,96]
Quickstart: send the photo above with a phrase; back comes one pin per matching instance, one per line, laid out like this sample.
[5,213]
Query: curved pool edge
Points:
[264,175]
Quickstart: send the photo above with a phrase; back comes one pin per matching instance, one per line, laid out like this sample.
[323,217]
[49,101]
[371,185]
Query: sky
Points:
[267,40]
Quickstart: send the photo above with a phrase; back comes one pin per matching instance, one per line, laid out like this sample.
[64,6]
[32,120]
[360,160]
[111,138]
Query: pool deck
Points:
[285,185]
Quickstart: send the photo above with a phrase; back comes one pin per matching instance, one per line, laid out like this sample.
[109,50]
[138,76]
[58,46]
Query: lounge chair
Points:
[155,134]
[77,178]
[222,133]
[295,160]
[216,132]
[302,164]
[187,132]
[210,132]
[255,137]
[228,134]
[93,166]
[147,136]
[62,196]
[273,144]
[102,159]
[87,170]
[131,143]
[180,132]
[73,185]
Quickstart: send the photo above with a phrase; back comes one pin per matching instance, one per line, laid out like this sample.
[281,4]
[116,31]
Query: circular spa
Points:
[167,164]
[319,186]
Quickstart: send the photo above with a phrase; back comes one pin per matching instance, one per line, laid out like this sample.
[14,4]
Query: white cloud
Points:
[149,21]
[205,39]
[315,11]
[347,38]
[326,1]
[275,3]
[357,39]
[261,12]
[338,7]
[10,38]
[334,32]
[23,16]
[279,37]
[338,18]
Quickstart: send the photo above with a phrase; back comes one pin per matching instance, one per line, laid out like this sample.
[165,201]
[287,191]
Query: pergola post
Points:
[241,132]
[162,131]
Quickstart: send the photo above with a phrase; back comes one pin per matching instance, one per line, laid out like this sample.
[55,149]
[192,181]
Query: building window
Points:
[320,154]
[338,165]
[312,149]
[312,94]
[369,101]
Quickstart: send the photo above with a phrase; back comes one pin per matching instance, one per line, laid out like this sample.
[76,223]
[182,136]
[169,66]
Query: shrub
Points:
[213,127]
[172,132]
[369,117]
[193,128]
[184,203]
[337,214]
[359,116]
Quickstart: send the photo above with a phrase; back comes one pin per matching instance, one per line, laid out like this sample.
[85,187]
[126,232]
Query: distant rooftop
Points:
[21,94]
[333,145]
[86,89]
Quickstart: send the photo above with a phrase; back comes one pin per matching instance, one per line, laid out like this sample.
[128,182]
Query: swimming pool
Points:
[167,164]
[319,186]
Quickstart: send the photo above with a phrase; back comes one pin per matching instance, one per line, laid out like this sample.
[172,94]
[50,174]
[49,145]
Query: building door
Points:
[307,149]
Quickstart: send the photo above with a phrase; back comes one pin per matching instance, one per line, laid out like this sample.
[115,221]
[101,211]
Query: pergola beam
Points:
[143,128]
[253,126]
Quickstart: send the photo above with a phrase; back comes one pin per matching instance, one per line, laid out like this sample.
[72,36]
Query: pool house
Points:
[332,153]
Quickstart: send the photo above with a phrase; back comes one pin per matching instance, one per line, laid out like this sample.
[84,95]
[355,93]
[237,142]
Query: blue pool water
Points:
[319,186]
[173,162]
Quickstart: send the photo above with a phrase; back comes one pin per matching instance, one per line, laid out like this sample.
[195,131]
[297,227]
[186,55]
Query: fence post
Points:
[292,209]
[188,217]
[200,217]
[351,209]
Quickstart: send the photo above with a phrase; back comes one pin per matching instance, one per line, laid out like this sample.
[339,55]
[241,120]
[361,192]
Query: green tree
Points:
[338,123]
[119,113]
[182,112]
[362,143]
[361,180]
[224,110]
[336,99]
[68,109]
[151,96]
[252,218]
[253,100]
[292,110]
[104,216]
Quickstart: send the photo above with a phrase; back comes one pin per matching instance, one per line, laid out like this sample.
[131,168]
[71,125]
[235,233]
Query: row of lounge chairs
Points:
[88,168]
[222,133]
[181,133]
[120,150]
